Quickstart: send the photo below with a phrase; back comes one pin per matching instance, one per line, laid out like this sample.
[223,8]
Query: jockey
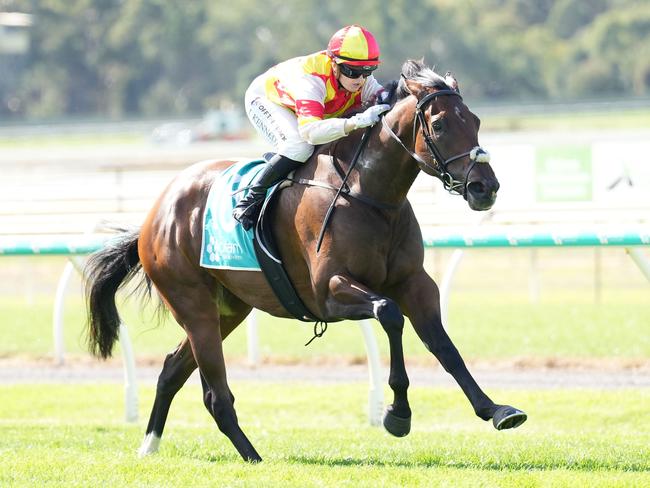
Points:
[299,103]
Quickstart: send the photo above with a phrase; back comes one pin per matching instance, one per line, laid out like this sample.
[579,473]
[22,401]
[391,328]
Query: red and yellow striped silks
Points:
[307,86]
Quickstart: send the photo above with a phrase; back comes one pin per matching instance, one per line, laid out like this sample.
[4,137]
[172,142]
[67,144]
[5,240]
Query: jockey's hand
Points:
[365,119]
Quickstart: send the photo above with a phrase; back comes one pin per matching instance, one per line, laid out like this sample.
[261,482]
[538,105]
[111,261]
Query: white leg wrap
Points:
[149,445]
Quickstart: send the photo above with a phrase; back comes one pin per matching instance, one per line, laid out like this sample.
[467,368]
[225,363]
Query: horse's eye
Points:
[437,125]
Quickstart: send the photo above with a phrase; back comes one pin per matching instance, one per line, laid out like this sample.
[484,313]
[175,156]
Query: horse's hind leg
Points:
[177,368]
[194,305]
[350,299]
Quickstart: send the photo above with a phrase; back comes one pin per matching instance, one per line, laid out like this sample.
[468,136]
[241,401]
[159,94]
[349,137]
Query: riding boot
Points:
[248,209]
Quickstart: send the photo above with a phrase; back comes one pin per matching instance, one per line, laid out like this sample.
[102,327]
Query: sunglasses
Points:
[354,73]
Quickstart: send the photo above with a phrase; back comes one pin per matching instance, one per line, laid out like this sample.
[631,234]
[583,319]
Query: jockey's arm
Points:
[328,130]
[323,130]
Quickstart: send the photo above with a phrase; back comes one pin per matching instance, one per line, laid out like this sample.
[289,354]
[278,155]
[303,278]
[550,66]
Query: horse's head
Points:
[445,135]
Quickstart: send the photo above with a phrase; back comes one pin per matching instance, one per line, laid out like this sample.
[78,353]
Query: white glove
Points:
[367,118]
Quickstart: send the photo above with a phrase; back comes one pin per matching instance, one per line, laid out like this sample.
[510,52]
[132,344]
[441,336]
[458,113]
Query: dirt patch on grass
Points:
[613,364]
[517,373]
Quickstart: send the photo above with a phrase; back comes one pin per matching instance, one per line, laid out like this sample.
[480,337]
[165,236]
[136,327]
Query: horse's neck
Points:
[384,172]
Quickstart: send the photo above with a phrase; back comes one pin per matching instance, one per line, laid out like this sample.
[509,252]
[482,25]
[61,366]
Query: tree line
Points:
[130,58]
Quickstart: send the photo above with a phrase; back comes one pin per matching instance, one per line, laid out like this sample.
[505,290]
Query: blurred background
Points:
[102,102]
[147,58]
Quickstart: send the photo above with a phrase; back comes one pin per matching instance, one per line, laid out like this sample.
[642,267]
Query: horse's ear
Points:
[451,81]
[414,88]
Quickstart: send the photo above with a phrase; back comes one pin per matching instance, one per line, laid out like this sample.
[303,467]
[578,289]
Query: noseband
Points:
[476,155]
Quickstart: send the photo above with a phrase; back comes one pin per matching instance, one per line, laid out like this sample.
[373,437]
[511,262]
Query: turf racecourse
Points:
[317,435]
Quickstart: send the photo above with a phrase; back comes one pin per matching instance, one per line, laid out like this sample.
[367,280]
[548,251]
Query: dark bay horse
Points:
[370,264]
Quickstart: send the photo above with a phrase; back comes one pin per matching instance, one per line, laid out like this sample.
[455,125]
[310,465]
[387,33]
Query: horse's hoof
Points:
[253,459]
[397,426]
[149,445]
[507,417]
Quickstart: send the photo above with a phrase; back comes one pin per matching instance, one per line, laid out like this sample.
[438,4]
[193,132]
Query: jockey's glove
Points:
[365,119]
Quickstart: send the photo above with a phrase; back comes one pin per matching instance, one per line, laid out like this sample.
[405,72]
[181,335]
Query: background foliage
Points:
[117,58]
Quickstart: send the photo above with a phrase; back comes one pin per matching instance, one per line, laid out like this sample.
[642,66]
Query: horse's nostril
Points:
[476,188]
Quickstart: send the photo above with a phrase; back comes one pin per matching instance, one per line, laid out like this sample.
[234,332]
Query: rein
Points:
[477,154]
[360,147]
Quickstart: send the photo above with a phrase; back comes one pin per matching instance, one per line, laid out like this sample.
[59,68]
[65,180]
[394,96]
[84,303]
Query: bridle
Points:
[476,155]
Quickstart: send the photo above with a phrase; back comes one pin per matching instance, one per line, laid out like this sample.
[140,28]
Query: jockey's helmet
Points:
[353,45]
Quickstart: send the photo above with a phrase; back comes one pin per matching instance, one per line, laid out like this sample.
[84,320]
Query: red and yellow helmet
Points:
[355,46]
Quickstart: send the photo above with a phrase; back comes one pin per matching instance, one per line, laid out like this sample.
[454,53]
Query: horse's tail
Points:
[105,272]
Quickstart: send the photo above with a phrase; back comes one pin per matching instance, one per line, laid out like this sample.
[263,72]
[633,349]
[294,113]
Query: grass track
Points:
[316,435]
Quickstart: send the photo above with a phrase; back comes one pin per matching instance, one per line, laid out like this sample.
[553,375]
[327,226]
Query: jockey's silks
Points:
[307,86]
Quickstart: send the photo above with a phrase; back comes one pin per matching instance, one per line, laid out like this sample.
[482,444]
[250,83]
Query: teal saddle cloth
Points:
[225,244]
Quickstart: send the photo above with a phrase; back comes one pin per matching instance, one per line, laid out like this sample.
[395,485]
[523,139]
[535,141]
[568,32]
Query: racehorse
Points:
[369,265]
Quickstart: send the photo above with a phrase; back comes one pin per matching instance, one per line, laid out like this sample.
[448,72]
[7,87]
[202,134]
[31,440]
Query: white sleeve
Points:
[371,89]
[322,131]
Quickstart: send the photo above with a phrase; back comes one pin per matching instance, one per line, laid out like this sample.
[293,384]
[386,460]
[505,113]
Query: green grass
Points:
[504,331]
[316,435]
[491,315]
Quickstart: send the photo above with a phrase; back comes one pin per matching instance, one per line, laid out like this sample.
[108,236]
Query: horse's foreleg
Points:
[420,298]
[350,299]
[177,368]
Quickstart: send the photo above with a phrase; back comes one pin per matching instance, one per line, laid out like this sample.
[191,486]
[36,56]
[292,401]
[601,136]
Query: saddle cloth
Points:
[225,243]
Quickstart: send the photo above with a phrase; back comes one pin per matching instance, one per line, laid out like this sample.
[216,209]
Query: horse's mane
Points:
[414,70]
